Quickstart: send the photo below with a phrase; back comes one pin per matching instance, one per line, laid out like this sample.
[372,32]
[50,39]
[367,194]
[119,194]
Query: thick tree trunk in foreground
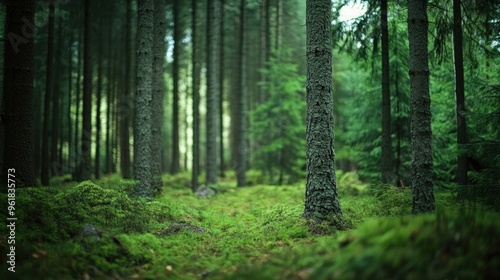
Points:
[321,198]
[142,131]
[18,94]
[421,134]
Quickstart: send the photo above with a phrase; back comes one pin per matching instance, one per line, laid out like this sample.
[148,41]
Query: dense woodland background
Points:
[227,107]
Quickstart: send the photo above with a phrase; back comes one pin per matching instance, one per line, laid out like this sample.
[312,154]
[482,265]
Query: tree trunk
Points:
[158,84]
[175,77]
[421,134]
[196,97]
[241,134]
[97,163]
[386,162]
[142,131]
[77,158]
[45,175]
[86,143]
[213,38]
[460,109]
[125,104]
[221,95]
[55,164]
[321,199]
[18,94]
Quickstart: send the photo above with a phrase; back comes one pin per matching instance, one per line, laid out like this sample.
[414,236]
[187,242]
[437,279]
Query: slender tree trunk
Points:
[175,77]
[460,110]
[213,38]
[55,164]
[321,199]
[97,163]
[108,152]
[386,163]
[264,21]
[221,95]
[86,144]
[18,94]
[421,133]
[68,112]
[279,24]
[158,93]
[241,134]
[45,176]
[142,131]
[125,108]
[77,158]
[196,97]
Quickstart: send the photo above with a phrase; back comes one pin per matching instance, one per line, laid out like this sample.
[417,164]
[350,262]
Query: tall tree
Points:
[97,163]
[386,162]
[421,133]
[213,37]
[18,93]
[86,144]
[45,175]
[126,109]
[175,77]
[221,92]
[55,164]
[241,158]
[459,91]
[321,198]
[143,101]
[158,85]
[196,68]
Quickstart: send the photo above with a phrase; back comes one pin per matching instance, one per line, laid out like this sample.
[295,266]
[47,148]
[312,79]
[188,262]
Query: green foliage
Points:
[278,124]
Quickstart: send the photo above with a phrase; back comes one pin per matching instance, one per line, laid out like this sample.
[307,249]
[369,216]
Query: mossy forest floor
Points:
[94,230]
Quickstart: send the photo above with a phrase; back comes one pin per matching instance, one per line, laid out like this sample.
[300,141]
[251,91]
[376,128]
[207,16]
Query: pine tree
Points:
[321,198]
[213,37]
[142,131]
[421,133]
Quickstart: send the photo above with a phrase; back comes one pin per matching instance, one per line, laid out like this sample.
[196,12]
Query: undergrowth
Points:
[95,230]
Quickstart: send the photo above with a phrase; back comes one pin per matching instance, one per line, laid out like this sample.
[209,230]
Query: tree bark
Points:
[421,134]
[142,131]
[18,94]
[321,198]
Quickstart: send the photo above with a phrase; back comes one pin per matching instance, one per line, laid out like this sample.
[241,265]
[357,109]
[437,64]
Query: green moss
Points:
[251,233]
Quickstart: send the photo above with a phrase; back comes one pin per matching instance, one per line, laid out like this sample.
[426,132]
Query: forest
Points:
[250,139]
